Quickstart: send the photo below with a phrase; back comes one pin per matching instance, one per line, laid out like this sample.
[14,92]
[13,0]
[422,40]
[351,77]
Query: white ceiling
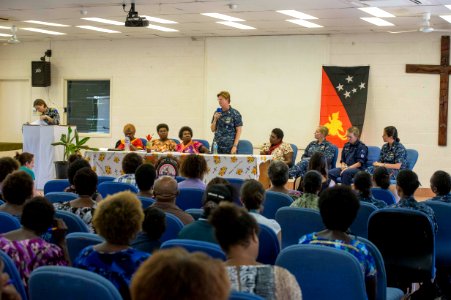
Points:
[337,17]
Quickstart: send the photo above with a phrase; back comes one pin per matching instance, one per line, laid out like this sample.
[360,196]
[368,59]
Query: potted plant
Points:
[72,144]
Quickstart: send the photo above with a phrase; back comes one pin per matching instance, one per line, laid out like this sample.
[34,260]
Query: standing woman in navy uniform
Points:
[48,114]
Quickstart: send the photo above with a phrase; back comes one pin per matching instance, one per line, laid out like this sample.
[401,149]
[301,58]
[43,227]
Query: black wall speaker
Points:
[40,73]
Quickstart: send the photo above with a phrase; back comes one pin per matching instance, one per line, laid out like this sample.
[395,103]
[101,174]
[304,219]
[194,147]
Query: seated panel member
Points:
[188,145]
[135,143]
[277,148]
[163,144]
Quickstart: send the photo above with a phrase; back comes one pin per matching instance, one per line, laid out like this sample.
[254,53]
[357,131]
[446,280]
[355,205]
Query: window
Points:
[88,105]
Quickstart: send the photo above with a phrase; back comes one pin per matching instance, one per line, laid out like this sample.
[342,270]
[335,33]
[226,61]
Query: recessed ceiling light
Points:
[161,28]
[377,12]
[223,17]
[46,23]
[44,31]
[447,18]
[158,20]
[98,29]
[377,21]
[105,21]
[297,14]
[305,23]
[4,34]
[236,25]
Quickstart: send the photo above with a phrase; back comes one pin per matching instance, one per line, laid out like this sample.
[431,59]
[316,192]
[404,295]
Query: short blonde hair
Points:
[224,94]
[118,218]
[354,130]
[323,130]
[129,126]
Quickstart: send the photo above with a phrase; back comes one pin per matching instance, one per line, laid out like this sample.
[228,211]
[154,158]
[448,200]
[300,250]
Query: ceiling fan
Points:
[425,26]
[13,38]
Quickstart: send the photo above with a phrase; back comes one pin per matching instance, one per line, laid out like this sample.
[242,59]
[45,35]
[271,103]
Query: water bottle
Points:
[127,143]
[215,148]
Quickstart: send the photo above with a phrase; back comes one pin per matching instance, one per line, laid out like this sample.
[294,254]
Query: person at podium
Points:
[49,115]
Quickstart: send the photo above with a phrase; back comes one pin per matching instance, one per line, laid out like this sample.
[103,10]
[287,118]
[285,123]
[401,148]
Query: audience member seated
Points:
[338,207]
[381,179]
[74,157]
[118,218]
[7,166]
[187,145]
[353,158]
[154,225]
[279,150]
[26,161]
[135,143]
[318,163]
[17,188]
[363,184]
[177,274]
[77,164]
[393,154]
[85,182]
[237,234]
[26,247]
[130,163]
[217,180]
[194,168]
[252,197]
[201,230]
[145,177]
[441,186]
[406,185]
[165,192]
[311,184]
[319,145]
[7,288]
[163,144]
[278,175]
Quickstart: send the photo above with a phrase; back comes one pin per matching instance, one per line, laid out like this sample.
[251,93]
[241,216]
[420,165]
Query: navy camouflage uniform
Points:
[372,200]
[351,154]
[301,167]
[226,130]
[52,113]
[411,203]
[442,198]
[392,155]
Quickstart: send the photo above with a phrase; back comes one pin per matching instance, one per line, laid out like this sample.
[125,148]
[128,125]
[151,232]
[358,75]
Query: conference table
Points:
[242,166]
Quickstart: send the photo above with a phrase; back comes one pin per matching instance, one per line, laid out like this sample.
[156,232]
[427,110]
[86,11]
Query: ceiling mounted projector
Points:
[134,20]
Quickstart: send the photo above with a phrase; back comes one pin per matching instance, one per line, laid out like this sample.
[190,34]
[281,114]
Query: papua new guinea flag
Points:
[344,93]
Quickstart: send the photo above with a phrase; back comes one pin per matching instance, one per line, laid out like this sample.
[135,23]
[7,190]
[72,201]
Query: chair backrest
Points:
[11,269]
[111,187]
[412,157]
[196,213]
[101,179]
[57,282]
[77,241]
[211,249]
[297,222]
[204,142]
[295,154]
[269,246]
[73,222]
[443,236]
[144,141]
[245,147]
[360,225]
[173,227]
[234,295]
[313,265]
[179,178]
[405,238]
[384,195]
[335,158]
[236,183]
[56,197]
[56,185]
[189,198]
[373,155]
[8,222]
[274,201]
[146,201]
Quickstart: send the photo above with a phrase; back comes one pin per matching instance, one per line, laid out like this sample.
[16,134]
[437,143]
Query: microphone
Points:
[219,110]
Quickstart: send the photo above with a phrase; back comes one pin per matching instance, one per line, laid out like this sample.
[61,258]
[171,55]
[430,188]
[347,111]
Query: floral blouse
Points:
[160,146]
[85,213]
[279,152]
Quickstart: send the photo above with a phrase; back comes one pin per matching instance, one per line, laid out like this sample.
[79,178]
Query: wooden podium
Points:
[38,139]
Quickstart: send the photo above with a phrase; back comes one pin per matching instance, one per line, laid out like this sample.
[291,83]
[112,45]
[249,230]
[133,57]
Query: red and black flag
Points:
[344,93]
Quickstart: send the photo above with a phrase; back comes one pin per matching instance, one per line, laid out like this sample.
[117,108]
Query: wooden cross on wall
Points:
[444,69]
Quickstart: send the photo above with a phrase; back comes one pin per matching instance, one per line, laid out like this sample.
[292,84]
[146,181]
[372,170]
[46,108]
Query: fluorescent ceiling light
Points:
[377,12]
[4,27]
[297,14]
[305,23]
[159,20]
[236,25]
[105,21]
[161,28]
[4,34]
[44,31]
[98,29]
[448,6]
[447,18]
[46,23]
[223,17]
[377,21]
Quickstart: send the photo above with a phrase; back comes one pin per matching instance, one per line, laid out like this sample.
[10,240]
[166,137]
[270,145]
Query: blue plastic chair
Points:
[189,198]
[101,179]
[443,236]
[176,141]
[57,282]
[269,246]
[204,142]
[384,195]
[373,155]
[11,269]
[144,141]
[56,185]
[274,201]
[412,157]
[360,225]
[245,147]
[211,249]
[59,197]
[73,222]
[236,183]
[295,154]
[8,222]
[179,178]
[313,265]
[335,158]
[297,222]
[146,201]
[234,295]
[111,188]
[196,213]
[77,241]
[173,227]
